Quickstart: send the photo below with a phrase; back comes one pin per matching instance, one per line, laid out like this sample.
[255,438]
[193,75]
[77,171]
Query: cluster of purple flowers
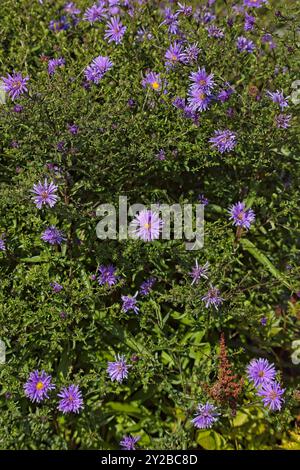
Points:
[262,374]
[97,69]
[40,383]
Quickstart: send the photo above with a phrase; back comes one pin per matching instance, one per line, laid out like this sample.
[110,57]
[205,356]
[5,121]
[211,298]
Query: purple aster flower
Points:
[249,22]
[173,54]
[254,3]
[15,84]
[161,155]
[147,286]
[2,243]
[214,32]
[118,370]
[130,303]
[54,63]
[245,45]
[199,272]
[185,10]
[18,108]
[73,129]
[53,235]
[71,9]
[198,99]
[45,194]
[268,39]
[146,225]
[95,13]
[59,25]
[56,287]
[278,98]
[107,275]
[70,399]
[153,80]
[241,216]
[190,54]
[206,416]
[97,69]
[271,394]
[38,385]
[225,94]
[224,141]
[261,372]
[115,30]
[203,80]
[171,21]
[179,103]
[282,121]
[212,297]
[263,321]
[202,199]
[128,442]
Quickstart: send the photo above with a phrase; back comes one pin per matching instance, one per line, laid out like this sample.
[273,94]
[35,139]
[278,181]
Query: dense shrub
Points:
[120,136]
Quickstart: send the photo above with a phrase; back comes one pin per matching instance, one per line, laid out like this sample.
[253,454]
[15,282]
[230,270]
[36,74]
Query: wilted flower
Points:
[54,63]
[224,140]
[278,98]
[107,275]
[130,303]
[147,285]
[56,287]
[245,45]
[199,271]
[212,298]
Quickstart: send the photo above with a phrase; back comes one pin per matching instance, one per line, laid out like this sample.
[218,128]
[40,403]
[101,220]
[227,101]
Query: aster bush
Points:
[141,343]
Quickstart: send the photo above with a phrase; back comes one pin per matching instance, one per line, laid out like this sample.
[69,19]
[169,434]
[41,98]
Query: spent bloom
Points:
[15,84]
[45,193]
[53,235]
[206,416]
[212,298]
[185,10]
[215,32]
[271,394]
[130,303]
[245,45]
[38,385]
[97,69]
[282,121]
[54,63]
[118,370]
[153,80]
[224,140]
[107,275]
[241,216]
[129,442]
[199,272]
[190,54]
[146,225]
[278,98]
[261,372]
[115,30]
[70,399]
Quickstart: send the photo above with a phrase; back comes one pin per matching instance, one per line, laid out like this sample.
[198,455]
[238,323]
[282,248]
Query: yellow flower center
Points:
[202,96]
[202,82]
[273,395]
[147,226]
[39,385]
[155,85]
[261,372]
